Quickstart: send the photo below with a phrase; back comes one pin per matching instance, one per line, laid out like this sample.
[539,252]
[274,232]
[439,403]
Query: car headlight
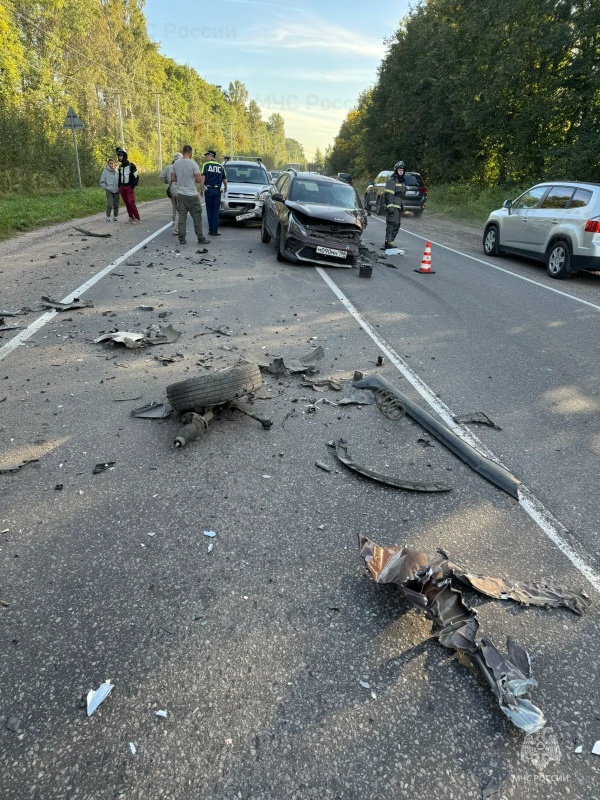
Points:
[297,227]
[262,195]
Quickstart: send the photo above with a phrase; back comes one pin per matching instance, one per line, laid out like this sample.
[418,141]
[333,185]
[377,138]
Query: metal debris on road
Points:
[194,426]
[145,308]
[89,233]
[357,398]
[477,417]
[280,365]
[134,341]
[152,410]
[322,383]
[341,451]
[491,787]
[425,580]
[131,340]
[489,469]
[103,467]
[238,405]
[4,603]
[94,698]
[9,327]
[5,313]
[48,302]
[323,466]
[125,399]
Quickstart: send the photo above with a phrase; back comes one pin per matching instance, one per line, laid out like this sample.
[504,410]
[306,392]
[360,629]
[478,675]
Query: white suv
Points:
[246,181]
[556,222]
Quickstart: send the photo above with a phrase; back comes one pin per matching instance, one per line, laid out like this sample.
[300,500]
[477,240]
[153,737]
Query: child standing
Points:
[109,181]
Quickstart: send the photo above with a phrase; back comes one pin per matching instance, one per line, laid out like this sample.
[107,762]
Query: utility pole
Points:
[231,139]
[120,118]
[160,164]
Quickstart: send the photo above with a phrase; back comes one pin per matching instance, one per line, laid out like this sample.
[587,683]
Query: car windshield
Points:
[246,174]
[324,193]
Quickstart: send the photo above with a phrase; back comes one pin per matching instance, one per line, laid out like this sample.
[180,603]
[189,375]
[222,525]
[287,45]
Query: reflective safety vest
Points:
[394,191]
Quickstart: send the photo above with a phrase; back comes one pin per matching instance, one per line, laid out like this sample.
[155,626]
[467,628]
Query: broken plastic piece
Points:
[153,410]
[103,467]
[357,398]
[131,340]
[161,713]
[489,469]
[96,697]
[578,749]
[596,748]
[47,302]
[89,233]
[132,748]
[341,451]
[477,417]
[394,251]
[323,466]
[210,534]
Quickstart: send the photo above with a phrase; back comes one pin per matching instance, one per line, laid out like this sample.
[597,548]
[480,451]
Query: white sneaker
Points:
[175,232]
[108,219]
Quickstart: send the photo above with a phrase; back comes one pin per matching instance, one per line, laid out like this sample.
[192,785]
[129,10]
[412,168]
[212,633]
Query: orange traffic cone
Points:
[426,261]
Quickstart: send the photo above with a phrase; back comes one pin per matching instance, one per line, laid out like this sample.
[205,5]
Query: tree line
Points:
[97,56]
[483,92]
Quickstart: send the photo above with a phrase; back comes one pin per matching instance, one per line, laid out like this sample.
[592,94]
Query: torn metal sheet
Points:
[134,341]
[341,451]
[305,363]
[489,469]
[221,330]
[357,398]
[323,383]
[48,302]
[4,313]
[166,335]
[153,410]
[96,697]
[477,417]
[89,233]
[4,328]
[425,580]
[14,466]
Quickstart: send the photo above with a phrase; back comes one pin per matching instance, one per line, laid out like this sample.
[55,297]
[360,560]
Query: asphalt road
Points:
[284,670]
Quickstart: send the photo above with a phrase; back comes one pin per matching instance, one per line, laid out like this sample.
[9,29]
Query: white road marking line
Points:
[527,500]
[502,269]
[35,326]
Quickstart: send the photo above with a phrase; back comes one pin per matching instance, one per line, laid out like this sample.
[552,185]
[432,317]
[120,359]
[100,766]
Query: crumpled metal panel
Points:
[425,580]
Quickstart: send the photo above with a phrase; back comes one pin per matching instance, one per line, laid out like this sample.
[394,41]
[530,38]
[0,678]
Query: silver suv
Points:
[556,222]
[246,180]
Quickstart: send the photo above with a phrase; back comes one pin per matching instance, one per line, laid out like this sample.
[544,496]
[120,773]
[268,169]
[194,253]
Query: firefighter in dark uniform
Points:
[213,175]
[394,192]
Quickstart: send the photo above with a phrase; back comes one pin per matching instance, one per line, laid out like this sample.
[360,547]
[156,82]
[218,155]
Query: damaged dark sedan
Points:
[313,219]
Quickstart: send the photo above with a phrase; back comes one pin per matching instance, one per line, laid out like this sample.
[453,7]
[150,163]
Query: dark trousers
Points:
[191,203]
[212,198]
[112,203]
[392,224]
[128,196]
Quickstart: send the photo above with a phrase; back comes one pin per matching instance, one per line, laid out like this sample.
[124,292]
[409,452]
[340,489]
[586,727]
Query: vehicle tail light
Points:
[423,189]
[592,226]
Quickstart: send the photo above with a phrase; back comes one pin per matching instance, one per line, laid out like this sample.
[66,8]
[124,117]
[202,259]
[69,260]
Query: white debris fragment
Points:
[132,747]
[161,713]
[96,697]
[579,749]
[210,534]
[596,748]
[266,476]
[365,684]
[210,547]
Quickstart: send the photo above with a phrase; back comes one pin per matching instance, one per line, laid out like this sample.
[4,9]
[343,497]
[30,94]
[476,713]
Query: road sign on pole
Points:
[75,124]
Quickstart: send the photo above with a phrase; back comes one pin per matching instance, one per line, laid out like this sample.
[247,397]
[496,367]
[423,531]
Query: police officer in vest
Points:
[213,175]
[394,192]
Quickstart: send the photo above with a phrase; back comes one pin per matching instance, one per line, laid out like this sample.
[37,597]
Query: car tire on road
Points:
[490,241]
[215,388]
[280,245]
[558,259]
[265,236]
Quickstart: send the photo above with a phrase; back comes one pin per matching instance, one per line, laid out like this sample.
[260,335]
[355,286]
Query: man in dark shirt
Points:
[213,175]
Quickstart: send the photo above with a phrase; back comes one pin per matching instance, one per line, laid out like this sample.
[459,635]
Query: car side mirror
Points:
[507,204]
[278,197]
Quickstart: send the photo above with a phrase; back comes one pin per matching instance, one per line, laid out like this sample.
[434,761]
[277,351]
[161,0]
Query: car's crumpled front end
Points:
[324,235]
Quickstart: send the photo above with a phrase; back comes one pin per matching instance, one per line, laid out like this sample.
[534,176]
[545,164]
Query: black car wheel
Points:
[558,259]
[280,244]
[490,241]
[265,236]
[215,388]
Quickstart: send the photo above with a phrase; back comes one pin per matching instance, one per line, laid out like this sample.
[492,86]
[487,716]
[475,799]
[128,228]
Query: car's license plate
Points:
[329,251]
[411,194]
[244,216]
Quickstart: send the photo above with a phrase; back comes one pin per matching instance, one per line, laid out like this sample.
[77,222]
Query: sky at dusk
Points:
[307,61]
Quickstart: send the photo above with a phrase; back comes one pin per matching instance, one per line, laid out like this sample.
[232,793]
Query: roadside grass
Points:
[21,213]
